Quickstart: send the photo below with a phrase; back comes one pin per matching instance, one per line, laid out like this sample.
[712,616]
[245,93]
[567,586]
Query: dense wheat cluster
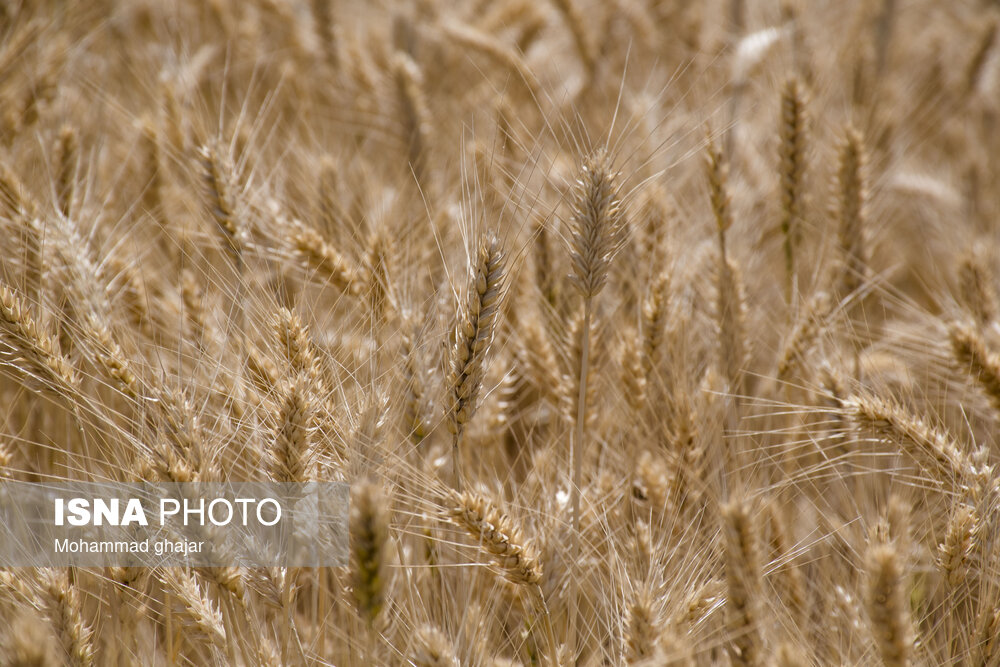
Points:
[646,332]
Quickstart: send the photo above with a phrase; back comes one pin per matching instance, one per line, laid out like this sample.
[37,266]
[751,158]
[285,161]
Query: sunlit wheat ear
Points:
[930,448]
[229,580]
[975,357]
[296,345]
[61,604]
[432,649]
[851,211]
[743,585]
[886,603]
[515,557]
[955,552]
[369,526]
[643,632]
[111,358]
[31,352]
[597,226]
[201,618]
[597,232]
[293,449]
[791,171]
[473,336]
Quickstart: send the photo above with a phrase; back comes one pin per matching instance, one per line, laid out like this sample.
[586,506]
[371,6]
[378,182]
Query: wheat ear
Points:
[293,449]
[433,649]
[888,611]
[62,607]
[473,337]
[416,116]
[955,553]
[930,448]
[791,168]
[321,257]
[203,619]
[500,537]
[976,289]
[972,353]
[597,233]
[30,350]
[323,23]
[66,156]
[369,527]
[217,175]
[852,197]
[643,630]
[743,581]
[730,310]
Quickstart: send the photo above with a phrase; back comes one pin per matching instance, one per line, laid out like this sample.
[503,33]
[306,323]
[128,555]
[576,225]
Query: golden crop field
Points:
[645,332]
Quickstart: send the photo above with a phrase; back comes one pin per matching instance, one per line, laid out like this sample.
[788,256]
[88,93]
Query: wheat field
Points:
[646,332]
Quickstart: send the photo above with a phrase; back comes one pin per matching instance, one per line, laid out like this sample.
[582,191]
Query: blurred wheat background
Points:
[647,332]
